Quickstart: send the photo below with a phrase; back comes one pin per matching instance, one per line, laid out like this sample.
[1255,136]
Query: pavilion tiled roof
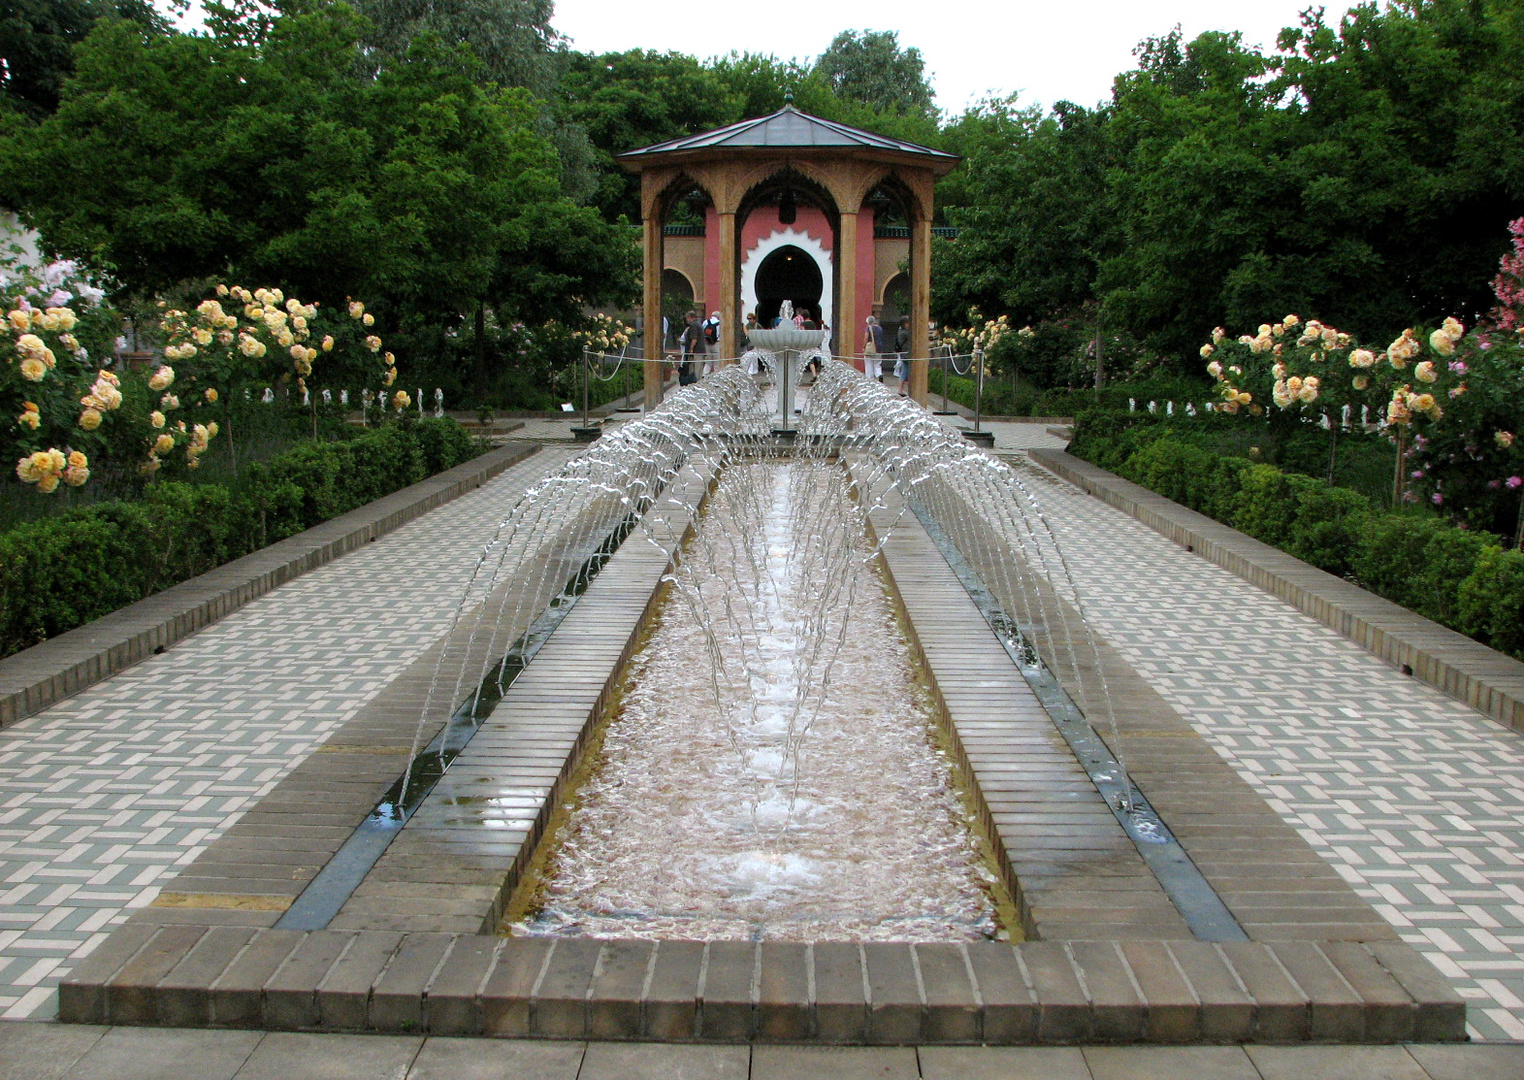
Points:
[788,128]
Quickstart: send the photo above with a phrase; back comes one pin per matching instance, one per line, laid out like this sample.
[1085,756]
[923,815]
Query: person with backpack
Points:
[712,339]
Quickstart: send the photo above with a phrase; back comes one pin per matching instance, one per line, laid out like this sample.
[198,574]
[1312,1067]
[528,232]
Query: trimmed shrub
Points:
[1491,600]
[1329,525]
[58,573]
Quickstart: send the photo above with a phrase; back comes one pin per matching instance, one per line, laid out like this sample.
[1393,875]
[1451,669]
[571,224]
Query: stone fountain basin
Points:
[788,338]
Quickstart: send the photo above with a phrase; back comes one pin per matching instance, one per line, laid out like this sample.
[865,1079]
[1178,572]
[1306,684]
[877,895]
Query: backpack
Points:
[711,332]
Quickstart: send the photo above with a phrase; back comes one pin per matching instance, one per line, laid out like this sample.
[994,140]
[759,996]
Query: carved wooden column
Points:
[654,338]
[920,303]
[728,303]
[847,328]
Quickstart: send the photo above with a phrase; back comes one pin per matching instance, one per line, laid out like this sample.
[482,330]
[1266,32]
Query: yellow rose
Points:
[47,484]
[90,419]
[29,417]
[33,369]
[163,444]
[328,343]
[1425,372]
[373,343]
[77,459]
[356,309]
[1361,382]
[76,477]
[30,345]
[401,399]
[156,419]
[162,378]
[169,402]
[391,376]
[1442,343]
[202,335]
[211,395]
[212,429]
[368,319]
[21,320]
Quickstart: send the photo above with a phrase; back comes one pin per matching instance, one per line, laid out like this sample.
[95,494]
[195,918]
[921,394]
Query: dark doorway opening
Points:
[790,273]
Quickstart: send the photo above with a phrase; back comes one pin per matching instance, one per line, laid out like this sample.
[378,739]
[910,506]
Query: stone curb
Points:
[841,992]
[1469,671]
[60,667]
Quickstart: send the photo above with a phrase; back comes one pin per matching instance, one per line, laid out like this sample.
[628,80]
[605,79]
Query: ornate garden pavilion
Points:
[790,206]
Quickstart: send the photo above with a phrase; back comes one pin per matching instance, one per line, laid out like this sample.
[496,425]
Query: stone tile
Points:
[42,1051]
[663,1061]
[838,1063]
[1169,1062]
[1335,1062]
[282,1055]
[1470,1062]
[1003,1063]
[497,1059]
[166,1054]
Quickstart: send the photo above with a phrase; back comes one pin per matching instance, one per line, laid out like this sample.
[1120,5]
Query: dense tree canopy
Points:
[438,155]
[37,39]
[1361,173]
[275,163]
[871,69]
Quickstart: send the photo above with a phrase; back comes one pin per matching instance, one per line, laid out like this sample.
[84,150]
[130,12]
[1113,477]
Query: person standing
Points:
[711,340]
[873,348]
[692,341]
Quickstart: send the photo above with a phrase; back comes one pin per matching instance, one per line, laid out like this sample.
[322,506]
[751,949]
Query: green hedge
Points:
[1456,577]
[60,572]
[1003,399]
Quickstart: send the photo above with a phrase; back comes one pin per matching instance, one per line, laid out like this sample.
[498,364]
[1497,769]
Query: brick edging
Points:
[1483,678]
[736,992]
[60,667]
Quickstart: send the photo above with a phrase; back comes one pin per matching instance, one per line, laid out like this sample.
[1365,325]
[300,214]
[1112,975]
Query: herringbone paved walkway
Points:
[104,796]
[1415,798]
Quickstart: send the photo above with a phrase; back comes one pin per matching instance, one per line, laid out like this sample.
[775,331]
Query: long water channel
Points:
[772,768]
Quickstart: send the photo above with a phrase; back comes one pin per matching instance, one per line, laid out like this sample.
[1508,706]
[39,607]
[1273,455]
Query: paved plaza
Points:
[69,1052]
[1414,798]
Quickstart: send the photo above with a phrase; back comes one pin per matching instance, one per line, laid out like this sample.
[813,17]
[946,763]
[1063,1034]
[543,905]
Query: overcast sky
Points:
[1046,52]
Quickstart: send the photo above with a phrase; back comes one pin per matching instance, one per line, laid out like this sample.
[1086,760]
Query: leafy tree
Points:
[632,99]
[870,68]
[37,38]
[278,163]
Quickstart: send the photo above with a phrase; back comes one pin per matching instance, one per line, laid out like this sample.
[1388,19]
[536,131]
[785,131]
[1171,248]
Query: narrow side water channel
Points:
[772,767]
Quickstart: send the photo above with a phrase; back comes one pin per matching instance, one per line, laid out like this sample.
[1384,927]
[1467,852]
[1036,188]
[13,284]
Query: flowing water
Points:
[772,771]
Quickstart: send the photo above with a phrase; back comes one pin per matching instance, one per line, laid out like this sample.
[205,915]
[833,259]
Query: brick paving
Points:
[1416,799]
[108,794]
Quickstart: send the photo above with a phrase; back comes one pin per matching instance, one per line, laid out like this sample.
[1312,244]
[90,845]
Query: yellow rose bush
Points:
[70,401]
[238,342]
[1448,397]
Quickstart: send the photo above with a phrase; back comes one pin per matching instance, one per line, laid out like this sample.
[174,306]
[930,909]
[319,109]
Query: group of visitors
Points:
[699,339]
[699,344]
[877,348]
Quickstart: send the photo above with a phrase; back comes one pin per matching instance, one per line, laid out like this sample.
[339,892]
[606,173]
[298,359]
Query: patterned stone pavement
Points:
[1416,799]
[105,796]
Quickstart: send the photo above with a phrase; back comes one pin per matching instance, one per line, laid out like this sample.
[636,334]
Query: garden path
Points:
[105,796]
[1415,798]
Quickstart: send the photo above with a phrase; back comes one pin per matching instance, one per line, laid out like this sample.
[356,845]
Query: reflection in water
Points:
[771,772]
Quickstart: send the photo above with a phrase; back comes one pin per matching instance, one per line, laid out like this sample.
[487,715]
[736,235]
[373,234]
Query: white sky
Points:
[1044,51]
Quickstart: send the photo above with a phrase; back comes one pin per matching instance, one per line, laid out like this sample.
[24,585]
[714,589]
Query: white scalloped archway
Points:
[782,238]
